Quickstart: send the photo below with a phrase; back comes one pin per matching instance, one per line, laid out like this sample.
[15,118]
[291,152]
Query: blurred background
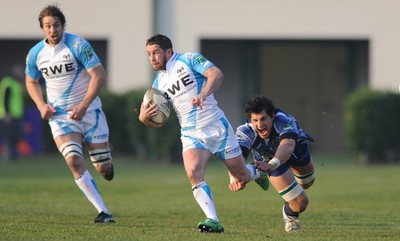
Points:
[307,56]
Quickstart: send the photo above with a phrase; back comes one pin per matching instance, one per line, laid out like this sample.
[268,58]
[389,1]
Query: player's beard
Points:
[54,40]
[160,65]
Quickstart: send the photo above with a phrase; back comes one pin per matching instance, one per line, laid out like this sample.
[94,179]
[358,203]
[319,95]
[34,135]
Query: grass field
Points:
[40,201]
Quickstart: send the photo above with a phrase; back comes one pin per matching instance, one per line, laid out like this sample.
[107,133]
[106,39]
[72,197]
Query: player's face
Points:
[263,123]
[157,57]
[53,30]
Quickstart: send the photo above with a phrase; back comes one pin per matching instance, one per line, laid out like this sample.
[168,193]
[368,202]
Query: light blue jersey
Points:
[180,82]
[64,68]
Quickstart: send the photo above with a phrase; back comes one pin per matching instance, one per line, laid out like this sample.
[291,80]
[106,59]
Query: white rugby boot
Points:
[292,224]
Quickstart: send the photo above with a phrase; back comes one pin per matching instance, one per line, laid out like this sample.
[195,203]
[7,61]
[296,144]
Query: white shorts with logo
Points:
[218,137]
[93,126]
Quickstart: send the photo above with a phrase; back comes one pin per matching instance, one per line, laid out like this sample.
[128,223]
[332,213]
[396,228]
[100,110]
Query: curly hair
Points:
[258,104]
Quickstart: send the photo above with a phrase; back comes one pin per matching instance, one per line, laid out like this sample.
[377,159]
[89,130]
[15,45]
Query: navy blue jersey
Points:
[285,126]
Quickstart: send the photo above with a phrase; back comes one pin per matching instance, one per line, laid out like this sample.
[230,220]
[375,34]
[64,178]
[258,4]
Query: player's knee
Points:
[195,177]
[72,152]
[306,180]
[71,149]
[302,203]
[299,205]
[100,157]
[308,185]
[295,195]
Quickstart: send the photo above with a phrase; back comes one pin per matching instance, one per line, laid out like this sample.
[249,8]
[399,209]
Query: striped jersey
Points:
[64,68]
[180,82]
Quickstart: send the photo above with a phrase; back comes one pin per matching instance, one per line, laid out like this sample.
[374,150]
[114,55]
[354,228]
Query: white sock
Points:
[204,198]
[254,172]
[89,188]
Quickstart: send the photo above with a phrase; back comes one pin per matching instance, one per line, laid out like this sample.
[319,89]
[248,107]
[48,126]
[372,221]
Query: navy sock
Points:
[289,211]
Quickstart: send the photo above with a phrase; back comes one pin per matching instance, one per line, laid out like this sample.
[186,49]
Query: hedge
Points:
[372,124]
[128,136]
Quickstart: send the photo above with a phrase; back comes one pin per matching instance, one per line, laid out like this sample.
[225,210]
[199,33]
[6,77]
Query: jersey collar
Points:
[171,60]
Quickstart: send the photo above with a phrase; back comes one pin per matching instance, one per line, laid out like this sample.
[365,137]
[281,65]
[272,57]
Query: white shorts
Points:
[93,126]
[218,137]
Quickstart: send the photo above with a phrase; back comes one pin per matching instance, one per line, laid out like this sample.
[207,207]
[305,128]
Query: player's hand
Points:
[264,166]
[46,111]
[234,184]
[77,113]
[198,100]
[147,111]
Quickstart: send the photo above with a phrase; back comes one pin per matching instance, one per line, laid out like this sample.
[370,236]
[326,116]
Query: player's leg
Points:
[97,142]
[101,158]
[70,146]
[228,149]
[238,171]
[296,200]
[305,175]
[195,162]
[303,167]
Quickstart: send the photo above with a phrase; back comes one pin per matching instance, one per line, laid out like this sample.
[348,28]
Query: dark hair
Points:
[163,41]
[52,11]
[259,103]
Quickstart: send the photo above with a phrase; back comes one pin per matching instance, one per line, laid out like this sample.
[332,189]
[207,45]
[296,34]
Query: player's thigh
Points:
[195,162]
[305,175]
[95,146]
[303,170]
[283,181]
[73,136]
[100,156]
[95,127]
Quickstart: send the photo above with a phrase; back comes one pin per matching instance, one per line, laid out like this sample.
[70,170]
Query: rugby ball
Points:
[156,97]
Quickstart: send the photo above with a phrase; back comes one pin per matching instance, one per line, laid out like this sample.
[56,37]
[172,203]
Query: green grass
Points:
[40,201]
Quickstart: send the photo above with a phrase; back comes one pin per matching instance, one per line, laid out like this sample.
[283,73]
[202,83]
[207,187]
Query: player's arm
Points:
[214,79]
[282,154]
[285,150]
[98,76]
[148,111]
[35,92]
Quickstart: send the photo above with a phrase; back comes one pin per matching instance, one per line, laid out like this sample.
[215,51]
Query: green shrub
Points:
[114,106]
[129,136]
[372,124]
